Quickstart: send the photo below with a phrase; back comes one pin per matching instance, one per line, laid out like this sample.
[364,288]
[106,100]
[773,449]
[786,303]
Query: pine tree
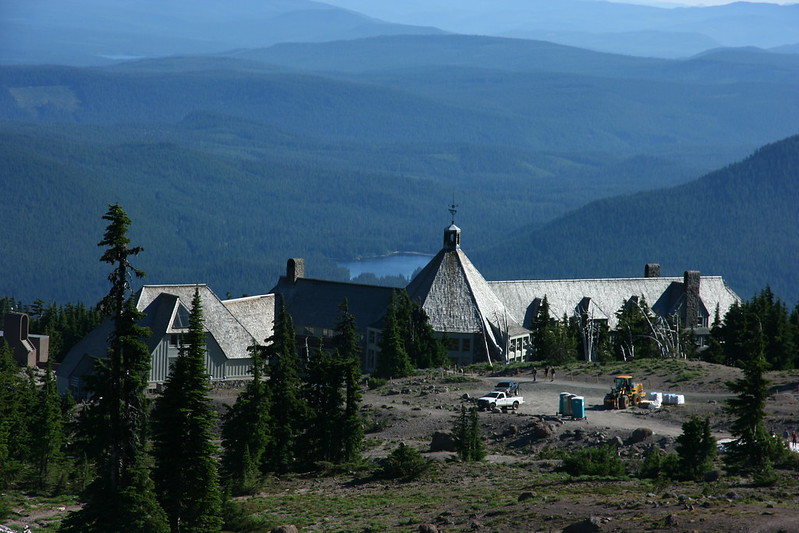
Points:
[186,474]
[288,409]
[424,349]
[754,450]
[121,498]
[466,434]
[348,349]
[325,406]
[696,448]
[14,434]
[48,438]
[393,361]
[245,431]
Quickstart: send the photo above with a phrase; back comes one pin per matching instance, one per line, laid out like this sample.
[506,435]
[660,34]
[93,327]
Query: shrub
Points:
[376,383]
[602,461]
[404,463]
[658,465]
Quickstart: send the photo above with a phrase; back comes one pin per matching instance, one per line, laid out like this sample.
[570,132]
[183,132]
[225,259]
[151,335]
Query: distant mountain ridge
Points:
[738,222]
[98,32]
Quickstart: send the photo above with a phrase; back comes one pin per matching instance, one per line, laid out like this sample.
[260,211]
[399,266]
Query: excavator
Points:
[624,393]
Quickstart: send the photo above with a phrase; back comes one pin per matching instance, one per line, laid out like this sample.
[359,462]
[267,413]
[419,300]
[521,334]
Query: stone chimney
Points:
[295,269]
[691,281]
[652,270]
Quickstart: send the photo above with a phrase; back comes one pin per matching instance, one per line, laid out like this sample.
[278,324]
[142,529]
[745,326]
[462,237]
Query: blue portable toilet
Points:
[578,407]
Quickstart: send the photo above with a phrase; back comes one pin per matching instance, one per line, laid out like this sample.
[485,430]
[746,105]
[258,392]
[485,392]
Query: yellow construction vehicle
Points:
[624,393]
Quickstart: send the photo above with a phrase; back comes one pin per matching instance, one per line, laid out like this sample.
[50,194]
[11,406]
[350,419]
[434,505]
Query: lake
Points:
[397,264]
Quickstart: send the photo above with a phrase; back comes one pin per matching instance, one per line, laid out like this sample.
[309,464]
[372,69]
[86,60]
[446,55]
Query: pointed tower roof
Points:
[456,297]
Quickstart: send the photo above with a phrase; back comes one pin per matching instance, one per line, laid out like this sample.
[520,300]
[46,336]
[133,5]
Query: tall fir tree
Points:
[288,409]
[325,406]
[466,433]
[246,431]
[122,497]
[14,422]
[424,349]
[186,472]
[393,361]
[754,449]
[48,437]
[348,347]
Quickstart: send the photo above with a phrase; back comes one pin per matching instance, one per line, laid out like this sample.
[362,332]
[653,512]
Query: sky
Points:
[669,3]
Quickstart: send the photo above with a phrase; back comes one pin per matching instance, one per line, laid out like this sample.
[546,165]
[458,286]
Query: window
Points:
[174,339]
[467,345]
[453,345]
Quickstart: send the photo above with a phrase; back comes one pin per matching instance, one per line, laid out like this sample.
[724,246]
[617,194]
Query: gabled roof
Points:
[456,297]
[664,295]
[256,314]
[315,303]
[161,304]
[165,308]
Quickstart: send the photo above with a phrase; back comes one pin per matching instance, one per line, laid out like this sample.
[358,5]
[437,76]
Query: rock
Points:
[640,435]
[616,441]
[541,430]
[285,529]
[524,496]
[589,525]
[442,442]
[428,528]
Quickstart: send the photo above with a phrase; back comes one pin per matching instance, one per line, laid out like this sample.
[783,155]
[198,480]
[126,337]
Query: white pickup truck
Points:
[499,400]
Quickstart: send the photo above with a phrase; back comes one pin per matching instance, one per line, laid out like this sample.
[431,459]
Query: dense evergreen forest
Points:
[232,164]
[735,222]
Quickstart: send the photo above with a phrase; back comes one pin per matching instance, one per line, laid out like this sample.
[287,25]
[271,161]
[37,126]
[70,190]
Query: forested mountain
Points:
[97,32]
[739,222]
[230,165]
[643,30]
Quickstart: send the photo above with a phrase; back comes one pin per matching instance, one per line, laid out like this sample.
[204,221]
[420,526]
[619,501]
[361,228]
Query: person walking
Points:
[546,372]
[552,374]
[535,372]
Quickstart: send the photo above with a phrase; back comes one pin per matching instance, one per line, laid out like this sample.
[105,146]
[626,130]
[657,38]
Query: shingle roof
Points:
[663,295]
[315,303]
[457,298]
[158,301]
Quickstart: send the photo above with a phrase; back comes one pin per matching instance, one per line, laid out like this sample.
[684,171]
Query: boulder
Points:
[285,529]
[640,435]
[428,528]
[589,525]
[442,442]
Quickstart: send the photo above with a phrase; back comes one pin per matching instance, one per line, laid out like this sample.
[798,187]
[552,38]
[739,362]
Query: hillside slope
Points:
[739,222]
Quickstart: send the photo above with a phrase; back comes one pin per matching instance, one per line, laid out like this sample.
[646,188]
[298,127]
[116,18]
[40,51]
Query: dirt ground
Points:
[517,488]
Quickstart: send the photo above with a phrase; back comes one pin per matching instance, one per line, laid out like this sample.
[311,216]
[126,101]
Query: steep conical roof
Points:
[456,297]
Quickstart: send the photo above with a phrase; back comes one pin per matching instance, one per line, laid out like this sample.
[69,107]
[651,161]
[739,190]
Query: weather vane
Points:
[453,209]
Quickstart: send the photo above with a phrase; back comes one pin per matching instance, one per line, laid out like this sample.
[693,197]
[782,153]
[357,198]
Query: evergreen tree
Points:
[121,498]
[754,450]
[696,448]
[424,349]
[393,361]
[288,409]
[186,474]
[541,331]
[466,434]
[348,349]
[48,437]
[632,338]
[14,434]
[325,406]
[245,431]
